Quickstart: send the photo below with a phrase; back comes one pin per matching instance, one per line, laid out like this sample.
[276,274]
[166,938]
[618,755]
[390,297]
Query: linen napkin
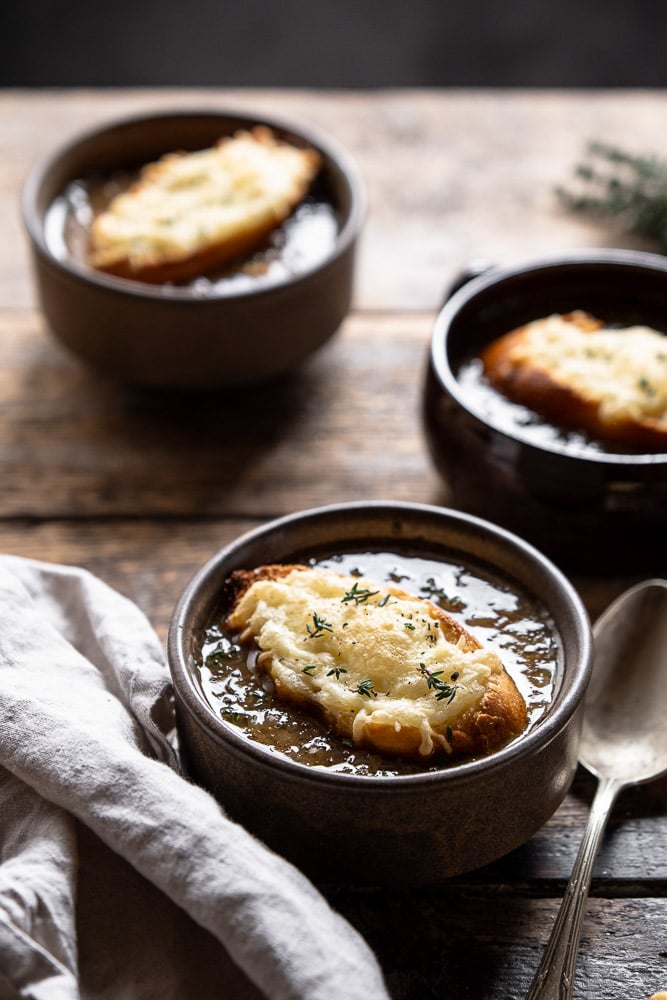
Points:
[119,878]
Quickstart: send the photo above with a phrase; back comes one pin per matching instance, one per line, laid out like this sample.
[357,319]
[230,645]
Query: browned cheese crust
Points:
[500,716]
[532,385]
[182,265]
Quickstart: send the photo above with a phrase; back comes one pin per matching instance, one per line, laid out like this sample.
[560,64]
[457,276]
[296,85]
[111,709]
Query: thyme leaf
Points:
[631,189]
[358,594]
[441,689]
[337,671]
[320,626]
[366,688]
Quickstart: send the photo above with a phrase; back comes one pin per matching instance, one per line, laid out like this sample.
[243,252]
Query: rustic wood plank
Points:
[150,561]
[451,175]
[630,861]
[346,427]
[458,945]
[143,487]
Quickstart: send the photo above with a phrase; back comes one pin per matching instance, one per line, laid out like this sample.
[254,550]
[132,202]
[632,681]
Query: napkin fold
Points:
[119,878]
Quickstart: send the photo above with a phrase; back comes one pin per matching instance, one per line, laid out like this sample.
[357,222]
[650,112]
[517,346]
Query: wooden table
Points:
[141,487]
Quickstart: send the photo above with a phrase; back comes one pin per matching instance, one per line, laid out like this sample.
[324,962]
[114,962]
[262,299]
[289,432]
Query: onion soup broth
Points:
[510,622]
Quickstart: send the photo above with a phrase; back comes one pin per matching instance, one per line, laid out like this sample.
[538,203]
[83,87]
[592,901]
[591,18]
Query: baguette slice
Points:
[190,213]
[383,668]
[575,372]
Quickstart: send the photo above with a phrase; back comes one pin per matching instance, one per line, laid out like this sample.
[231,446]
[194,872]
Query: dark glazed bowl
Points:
[590,512]
[400,830]
[166,335]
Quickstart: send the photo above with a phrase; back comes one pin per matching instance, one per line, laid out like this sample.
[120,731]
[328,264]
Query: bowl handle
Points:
[474,269]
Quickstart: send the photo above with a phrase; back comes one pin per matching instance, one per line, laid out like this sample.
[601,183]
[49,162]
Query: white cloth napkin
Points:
[119,878]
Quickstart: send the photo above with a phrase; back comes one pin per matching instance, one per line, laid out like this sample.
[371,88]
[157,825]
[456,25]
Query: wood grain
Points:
[457,944]
[73,444]
[451,175]
[143,487]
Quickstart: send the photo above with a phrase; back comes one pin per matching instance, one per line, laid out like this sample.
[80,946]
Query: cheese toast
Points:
[579,374]
[190,213]
[381,667]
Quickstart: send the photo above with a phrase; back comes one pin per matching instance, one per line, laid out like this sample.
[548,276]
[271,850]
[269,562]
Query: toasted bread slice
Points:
[190,213]
[578,374]
[386,669]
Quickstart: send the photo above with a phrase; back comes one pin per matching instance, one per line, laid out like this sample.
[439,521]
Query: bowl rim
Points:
[547,728]
[614,258]
[33,219]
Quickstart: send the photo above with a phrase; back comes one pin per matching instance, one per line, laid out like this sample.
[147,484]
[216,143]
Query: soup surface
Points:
[305,239]
[503,619]
[513,418]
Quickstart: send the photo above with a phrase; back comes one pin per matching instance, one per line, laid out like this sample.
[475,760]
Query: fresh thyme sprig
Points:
[336,671]
[629,188]
[366,689]
[358,594]
[442,689]
[320,626]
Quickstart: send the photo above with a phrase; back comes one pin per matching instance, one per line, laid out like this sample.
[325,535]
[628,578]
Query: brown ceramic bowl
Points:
[410,829]
[589,511]
[204,335]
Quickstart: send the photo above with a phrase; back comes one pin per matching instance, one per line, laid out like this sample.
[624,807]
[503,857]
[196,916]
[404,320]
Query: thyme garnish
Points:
[320,627]
[309,668]
[337,671]
[435,683]
[410,626]
[619,185]
[366,688]
[358,594]
[385,600]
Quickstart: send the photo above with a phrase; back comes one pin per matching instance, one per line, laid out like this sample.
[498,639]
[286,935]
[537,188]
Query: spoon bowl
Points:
[624,742]
[624,734]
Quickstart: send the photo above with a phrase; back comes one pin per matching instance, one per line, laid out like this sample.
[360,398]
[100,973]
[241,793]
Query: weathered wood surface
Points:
[451,176]
[141,488]
[451,945]
[346,427]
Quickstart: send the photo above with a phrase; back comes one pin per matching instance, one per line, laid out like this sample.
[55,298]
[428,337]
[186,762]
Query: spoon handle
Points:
[554,978]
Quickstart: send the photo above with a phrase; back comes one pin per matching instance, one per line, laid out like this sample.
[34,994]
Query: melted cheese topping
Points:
[188,202]
[623,371]
[364,653]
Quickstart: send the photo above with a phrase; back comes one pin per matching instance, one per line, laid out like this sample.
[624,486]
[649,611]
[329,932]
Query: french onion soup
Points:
[250,210]
[378,663]
[575,382]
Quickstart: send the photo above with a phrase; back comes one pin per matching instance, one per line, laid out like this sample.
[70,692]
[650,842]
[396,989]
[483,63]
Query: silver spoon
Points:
[624,742]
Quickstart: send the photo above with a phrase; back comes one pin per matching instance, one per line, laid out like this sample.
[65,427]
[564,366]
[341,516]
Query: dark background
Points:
[333,43]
